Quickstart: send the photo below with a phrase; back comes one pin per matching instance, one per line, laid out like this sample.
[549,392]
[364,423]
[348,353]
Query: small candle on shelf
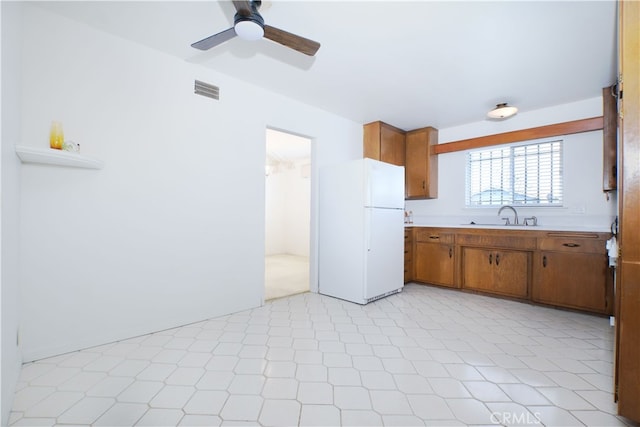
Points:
[56,136]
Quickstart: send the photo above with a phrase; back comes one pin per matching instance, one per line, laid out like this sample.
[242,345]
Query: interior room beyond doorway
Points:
[287,214]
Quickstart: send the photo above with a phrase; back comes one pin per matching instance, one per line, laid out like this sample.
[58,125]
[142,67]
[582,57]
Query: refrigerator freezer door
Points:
[384,235]
[384,185]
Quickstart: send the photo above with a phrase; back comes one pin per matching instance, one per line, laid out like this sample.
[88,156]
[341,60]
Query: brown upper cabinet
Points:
[610,139]
[384,142]
[413,150]
[421,164]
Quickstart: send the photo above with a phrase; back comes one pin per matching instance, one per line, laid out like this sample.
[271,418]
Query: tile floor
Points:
[285,275]
[427,356]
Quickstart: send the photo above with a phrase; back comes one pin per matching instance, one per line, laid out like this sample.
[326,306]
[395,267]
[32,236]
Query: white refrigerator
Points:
[361,230]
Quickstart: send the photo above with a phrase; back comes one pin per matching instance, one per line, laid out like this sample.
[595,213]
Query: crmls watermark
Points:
[510,418]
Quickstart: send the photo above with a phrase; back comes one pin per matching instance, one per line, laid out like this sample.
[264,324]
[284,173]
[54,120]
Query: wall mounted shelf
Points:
[49,156]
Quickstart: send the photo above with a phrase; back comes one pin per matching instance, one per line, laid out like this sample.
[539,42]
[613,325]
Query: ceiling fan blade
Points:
[243,7]
[215,40]
[306,46]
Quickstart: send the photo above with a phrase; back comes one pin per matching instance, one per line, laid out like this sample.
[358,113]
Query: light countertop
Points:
[547,222]
[577,228]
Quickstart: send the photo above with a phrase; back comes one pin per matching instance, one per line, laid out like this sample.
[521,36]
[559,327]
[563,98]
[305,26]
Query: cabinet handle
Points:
[571,245]
[450,252]
[423,184]
[490,258]
[497,259]
[544,261]
[406,252]
[606,300]
[434,237]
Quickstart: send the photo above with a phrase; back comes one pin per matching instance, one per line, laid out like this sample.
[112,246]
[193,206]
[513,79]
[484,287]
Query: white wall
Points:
[585,204]
[11,18]
[171,231]
[287,212]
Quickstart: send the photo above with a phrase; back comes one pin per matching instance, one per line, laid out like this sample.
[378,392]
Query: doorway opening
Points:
[287,214]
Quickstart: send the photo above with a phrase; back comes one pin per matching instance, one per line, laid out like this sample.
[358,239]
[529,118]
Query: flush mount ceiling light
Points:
[502,111]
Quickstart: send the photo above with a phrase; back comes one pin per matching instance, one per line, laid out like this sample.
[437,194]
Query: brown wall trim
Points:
[566,128]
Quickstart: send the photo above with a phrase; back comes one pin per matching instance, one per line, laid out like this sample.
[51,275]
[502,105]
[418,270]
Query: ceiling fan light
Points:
[502,111]
[249,30]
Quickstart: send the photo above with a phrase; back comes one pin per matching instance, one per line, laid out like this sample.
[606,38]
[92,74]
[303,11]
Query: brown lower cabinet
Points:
[572,270]
[435,264]
[573,280]
[561,269]
[498,271]
[434,259]
[408,255]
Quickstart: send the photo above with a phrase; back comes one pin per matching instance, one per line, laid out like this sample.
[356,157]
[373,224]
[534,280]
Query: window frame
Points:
[511,185]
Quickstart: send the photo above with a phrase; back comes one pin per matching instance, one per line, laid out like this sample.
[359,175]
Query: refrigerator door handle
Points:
[368,226]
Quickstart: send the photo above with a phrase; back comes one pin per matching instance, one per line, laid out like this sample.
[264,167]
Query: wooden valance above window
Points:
[557,129]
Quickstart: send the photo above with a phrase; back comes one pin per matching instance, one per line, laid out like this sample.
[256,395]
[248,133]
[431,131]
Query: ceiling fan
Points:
[249,25]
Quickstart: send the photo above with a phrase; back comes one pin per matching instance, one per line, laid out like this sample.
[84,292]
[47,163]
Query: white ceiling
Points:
[411,64]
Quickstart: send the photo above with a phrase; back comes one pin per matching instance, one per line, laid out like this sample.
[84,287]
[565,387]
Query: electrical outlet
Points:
[579,210]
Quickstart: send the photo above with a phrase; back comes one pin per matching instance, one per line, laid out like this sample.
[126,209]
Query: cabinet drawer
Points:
[494,241]
[578,244]
[434,235]
[408,235]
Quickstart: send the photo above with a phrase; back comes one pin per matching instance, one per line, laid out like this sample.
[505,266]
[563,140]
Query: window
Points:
[528,175]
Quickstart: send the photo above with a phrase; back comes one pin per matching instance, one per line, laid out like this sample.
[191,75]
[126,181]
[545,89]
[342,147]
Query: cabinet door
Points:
[408,255]
[434,263]
[477,269]
[511,273]
[496,271]
[416,166]
[421,171]
[628,292]
[575,280]
[609,140]
[392,145]
[384,142]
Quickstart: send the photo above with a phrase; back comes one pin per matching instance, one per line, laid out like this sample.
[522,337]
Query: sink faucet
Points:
[515,214]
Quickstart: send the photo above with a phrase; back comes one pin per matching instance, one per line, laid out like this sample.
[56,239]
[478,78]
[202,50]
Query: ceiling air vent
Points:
[206,89]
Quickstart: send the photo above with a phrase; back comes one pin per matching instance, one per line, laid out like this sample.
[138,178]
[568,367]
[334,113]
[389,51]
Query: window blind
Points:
[528,174]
